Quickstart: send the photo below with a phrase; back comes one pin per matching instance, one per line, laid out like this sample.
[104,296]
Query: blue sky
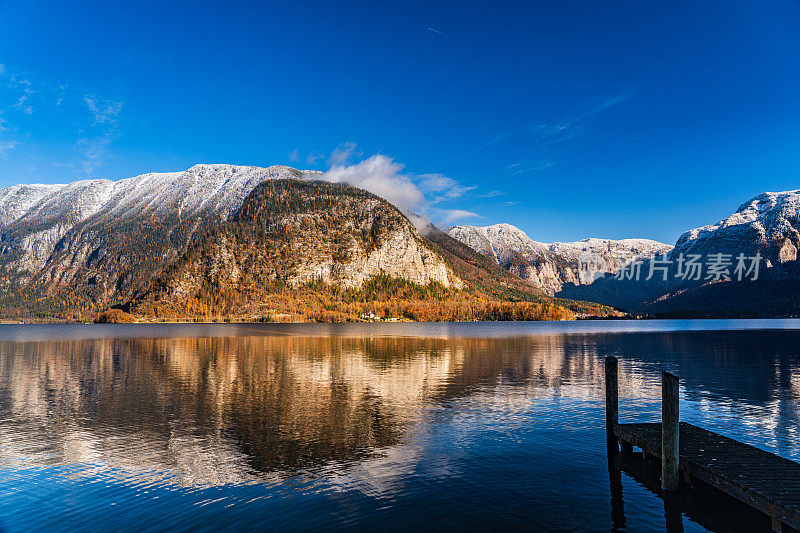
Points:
[567,119]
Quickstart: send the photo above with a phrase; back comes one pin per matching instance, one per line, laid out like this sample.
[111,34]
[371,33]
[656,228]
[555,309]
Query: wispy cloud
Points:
[438,32]
[543,140]
[294,156]
[343,153]
[92,148]
[21,89]
[91,121]
[576,122]
[313,157]
[491,194]
[103,112]
[442,187]
[91,152]
[5,147]
[23,102]
[61,92]
[525,166]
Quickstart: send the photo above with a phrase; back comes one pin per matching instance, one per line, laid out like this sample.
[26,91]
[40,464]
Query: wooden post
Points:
[670,431]
[615,481]
[672,512]
[612,396]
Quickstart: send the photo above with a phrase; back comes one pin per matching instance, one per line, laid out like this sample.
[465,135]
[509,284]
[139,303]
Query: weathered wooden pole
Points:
[612,445]
[670,431]
[612,396]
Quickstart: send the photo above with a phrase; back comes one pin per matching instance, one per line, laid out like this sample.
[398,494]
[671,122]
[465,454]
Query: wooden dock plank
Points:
[757,477]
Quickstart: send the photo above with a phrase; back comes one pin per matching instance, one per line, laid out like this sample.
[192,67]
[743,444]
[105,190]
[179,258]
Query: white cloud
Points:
[453,215]
[294,156]
[60,92]
[92,149]
[438,32]
[442,187]
[342,154]
[382,176]
[576,122]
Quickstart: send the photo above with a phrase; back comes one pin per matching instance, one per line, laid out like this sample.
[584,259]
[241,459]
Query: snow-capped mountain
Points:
[768,224]
[550,266]
[221,187]
[50,211]
[102,241]
[764,232]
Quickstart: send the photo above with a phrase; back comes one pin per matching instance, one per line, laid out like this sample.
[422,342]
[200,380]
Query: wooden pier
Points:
[762,480]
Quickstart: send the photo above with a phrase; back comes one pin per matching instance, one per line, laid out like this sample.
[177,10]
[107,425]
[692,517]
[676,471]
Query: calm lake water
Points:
[360,427]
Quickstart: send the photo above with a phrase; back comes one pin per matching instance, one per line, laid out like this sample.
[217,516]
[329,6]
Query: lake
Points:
[365,426]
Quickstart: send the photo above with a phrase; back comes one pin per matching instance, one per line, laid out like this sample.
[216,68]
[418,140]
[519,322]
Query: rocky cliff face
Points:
[767,226]
[550,266]
[98,242]
[290,233]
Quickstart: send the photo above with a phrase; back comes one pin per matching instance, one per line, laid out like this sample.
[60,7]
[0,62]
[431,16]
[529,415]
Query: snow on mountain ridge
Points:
[507,234]
[43,214]
[552,265]
[768,224]
[188,190]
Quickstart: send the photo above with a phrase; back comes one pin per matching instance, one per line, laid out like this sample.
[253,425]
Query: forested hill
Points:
[220,242]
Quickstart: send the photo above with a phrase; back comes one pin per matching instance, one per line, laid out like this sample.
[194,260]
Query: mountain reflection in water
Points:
[228,410]
[389,418]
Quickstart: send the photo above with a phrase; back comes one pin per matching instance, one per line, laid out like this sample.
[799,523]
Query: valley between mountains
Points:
[226,242]
[766,227]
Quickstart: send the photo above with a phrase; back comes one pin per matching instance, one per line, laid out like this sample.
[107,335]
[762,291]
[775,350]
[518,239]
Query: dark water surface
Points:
[372,426]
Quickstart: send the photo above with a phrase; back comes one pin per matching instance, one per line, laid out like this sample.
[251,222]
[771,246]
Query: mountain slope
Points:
[288,233]
[92,243]
[220,240]
[485,275]
[551,266]
[767,225]
[38,219]
[95,243]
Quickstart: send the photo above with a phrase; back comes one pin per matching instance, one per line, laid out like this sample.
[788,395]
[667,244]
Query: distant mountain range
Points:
[753,252]
[233,241]
[280,243]
[551,266]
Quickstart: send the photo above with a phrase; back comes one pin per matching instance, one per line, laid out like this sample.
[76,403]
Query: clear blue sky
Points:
[567,119]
